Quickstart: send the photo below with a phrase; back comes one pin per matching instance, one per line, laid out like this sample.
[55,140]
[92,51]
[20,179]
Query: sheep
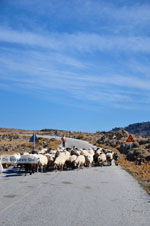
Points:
[61,152]
[40,161]
[109,156]
[53,152]
[88,160]
[43,151]
[70,162]
[91,151]
[72,158]
[75,152]
[51,159]
[43,161]
[27,162]
[67,154]
[98,151]
[95,158]
[25,153]
[80,161]
[15,157]
[116,158]
[63,158]
[59,162]
[101,159]
[25,158]
[30,168]
[84,152]
[11,159]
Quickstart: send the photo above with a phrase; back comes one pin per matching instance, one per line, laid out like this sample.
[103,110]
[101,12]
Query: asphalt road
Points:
[106,196]
[70,142]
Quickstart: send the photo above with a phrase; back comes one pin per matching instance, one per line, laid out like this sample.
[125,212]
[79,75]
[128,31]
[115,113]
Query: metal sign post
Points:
[34,143]
[33,139]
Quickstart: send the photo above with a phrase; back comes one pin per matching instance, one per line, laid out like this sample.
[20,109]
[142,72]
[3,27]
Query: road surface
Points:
[106,196]
[70,142]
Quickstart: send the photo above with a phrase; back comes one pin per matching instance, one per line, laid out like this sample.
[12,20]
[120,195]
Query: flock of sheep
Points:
[66,158]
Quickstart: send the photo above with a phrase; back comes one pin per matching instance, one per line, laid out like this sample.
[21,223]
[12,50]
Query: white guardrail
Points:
[6,159]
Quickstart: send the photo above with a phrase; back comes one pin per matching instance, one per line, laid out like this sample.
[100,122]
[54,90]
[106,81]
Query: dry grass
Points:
[141,173]
[54,144]
[23,145]
[15,142]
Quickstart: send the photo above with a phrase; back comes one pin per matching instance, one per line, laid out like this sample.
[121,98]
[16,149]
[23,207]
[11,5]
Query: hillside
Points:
[141,129]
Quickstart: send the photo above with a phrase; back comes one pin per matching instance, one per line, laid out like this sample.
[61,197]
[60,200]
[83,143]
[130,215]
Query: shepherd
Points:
[1,167]
[63,139]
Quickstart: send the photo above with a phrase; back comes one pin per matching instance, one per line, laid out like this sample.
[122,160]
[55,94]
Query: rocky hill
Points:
[141,129]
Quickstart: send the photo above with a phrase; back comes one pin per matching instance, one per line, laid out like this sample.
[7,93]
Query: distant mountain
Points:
[141,129]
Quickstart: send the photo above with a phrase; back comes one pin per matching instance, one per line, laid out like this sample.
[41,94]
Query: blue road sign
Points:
[33,138]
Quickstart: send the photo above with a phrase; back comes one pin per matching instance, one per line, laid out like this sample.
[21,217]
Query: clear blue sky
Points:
[79,64]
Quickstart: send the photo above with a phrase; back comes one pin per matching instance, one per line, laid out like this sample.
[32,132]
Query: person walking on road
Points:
[63,139]
[1,167]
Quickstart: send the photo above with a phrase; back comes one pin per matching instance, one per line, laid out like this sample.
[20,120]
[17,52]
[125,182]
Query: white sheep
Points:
[88,160]
[70,161]
[25,153]
[75,152]
[72,158]
[91,151]
[109,156]
[67,155]
[43,151]
[102,159]
[14,157]
[28,158]
[84,152]
[80,161]
[43,161]
[52,152]
[60,162]
[98,151]
[51,158]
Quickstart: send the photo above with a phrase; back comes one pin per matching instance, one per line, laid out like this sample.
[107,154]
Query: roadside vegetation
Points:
[16,142]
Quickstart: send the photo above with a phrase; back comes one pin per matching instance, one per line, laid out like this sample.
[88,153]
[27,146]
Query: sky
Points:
[81,65]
